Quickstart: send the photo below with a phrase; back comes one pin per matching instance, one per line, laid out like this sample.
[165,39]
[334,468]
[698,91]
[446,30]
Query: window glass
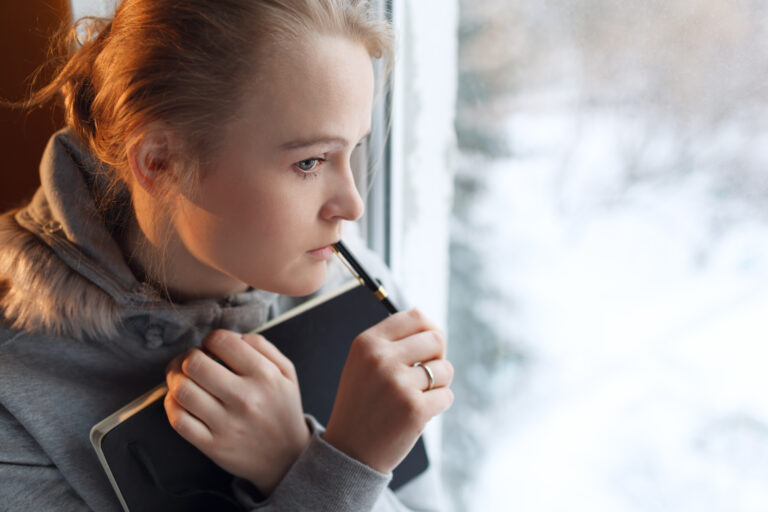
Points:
[82,8]
[609,257]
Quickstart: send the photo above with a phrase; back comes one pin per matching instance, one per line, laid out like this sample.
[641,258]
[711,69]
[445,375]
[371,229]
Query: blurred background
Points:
[577,191]
[609,257]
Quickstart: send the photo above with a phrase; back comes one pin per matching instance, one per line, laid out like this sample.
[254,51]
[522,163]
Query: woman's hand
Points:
[382,403]
[247,418]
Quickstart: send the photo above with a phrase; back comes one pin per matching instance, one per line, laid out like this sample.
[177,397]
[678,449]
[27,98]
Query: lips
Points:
[323,253]
[326,246]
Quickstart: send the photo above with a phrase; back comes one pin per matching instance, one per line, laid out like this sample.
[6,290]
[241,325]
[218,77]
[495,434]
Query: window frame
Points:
[374,161]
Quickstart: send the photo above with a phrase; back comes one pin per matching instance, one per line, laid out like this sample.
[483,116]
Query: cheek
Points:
[230,203]
[201,231]
[262,243]
[269,220]
[255,223]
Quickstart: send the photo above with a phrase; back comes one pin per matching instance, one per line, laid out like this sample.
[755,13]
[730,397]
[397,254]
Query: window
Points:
[609,257]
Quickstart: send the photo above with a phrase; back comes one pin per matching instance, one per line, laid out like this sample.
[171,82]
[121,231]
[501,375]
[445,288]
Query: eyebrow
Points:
[328,140]
[314,141]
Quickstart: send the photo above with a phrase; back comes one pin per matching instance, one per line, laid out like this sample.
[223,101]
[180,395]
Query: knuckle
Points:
[367,345]
[255,338]
[174,418]
[177,423]
[365,340]
[451,371]
[270,372]
[217,338]
[252,407]
[438,337]
[378,361]
[416,314]
[290,367]
[443,400]
[374,354]
[240,403]
[174,364]
[447,400]
[181,391]
[168,404]
[192,362]
[244,402]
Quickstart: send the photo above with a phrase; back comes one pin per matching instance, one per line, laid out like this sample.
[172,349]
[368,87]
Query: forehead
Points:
[324,84]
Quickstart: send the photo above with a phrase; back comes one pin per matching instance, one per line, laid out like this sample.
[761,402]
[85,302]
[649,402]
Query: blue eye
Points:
[309,164]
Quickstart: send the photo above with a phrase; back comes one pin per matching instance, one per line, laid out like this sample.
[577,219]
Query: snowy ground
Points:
[648,331]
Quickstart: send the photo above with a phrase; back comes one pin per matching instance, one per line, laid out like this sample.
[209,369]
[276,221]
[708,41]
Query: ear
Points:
[150,160]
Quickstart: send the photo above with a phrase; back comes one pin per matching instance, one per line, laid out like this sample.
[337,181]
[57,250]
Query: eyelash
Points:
[309,173]
[313,172]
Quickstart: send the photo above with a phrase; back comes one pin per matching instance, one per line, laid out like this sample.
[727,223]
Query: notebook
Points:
[151,467]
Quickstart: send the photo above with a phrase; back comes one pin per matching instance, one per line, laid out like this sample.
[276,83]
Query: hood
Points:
[63,274]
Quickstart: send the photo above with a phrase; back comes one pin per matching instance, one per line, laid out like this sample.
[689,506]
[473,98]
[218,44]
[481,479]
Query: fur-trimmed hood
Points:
[80,337]
[63,274]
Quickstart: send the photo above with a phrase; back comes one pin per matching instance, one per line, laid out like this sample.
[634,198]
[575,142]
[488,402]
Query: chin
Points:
[301,285]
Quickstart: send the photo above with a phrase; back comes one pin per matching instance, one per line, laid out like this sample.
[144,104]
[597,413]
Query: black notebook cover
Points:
[152,468]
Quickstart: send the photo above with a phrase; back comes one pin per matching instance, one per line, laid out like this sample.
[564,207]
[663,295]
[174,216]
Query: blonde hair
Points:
[175,62]
[186,65]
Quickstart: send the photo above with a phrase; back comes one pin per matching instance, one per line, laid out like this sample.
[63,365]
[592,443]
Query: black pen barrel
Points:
[372,285]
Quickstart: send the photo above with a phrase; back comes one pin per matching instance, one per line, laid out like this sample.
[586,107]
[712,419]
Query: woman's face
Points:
[281,185]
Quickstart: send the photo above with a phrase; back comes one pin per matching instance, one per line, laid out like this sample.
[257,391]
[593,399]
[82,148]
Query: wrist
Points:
[281,466]
[340,442]
[342,483]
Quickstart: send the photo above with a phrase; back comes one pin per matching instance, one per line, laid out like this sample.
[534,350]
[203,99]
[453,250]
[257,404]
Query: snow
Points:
[645,317]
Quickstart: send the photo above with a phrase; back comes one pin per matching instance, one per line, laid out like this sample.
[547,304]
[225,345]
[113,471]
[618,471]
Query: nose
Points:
[344,200]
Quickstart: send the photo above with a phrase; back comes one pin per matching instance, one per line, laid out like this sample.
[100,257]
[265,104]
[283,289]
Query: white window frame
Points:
[418,179]
[409,206]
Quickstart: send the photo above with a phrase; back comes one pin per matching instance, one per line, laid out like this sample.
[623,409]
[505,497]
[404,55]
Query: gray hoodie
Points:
[80,337]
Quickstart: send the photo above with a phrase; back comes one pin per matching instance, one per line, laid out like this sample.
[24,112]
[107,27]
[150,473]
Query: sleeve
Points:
[28,478]
[324,479]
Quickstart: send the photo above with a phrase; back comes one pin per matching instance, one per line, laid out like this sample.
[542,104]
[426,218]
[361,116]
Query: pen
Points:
[357,270]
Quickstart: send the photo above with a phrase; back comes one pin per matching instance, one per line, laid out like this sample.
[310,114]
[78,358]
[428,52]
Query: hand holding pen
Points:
[383,401]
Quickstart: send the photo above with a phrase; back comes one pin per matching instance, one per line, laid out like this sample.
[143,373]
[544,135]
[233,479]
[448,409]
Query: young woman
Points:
[203,174]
